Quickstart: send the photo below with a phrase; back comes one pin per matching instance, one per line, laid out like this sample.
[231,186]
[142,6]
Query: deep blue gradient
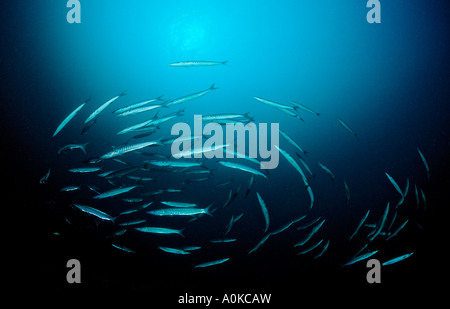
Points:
[390,82]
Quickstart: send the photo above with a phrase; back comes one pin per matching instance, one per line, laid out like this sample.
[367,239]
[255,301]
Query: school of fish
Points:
[123,186]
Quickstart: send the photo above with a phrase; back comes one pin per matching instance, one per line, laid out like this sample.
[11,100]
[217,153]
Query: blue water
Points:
[388,81]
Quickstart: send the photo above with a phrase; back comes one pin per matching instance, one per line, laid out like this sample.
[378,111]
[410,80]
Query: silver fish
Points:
[207,264]
[394,183]
[397,259]
[179,211]
[285,227]
[45,177]
[173,250]
[189,97]
[308,237]
[102,107]
[227,117]
[264,210]
[178,204]
[114,192]
[197,63]
[159,230]
[310,248]
[95,212]
[307,109]
[84,169]
[380,224]
[175,164]
[326,169]
[291,141]
[346,126]
[138,110]
[424,163]
[71,147]
[242,168]
[68,118]
[297,167]
[275,104]
[69,188]
[361,257]
[128,148]
[258,245]
[325,247]
[136,105]
[360,224]
[347,193]
[397,230]
[123,248]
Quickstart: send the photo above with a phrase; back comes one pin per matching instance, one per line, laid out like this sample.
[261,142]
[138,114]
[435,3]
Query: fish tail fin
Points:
[123,93]
[83,147]
[160,98]
[180,112]
[164,104]
[252,119]
[208,210]
[159,141]
[213,87]
[211,174]
[225,62]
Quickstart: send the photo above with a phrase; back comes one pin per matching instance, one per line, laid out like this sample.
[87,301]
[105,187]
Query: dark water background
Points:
[388,81]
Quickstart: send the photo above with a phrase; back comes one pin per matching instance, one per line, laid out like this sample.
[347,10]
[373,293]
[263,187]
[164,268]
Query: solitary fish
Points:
[424,162]
[197,63]
[68,118]
[346,126]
